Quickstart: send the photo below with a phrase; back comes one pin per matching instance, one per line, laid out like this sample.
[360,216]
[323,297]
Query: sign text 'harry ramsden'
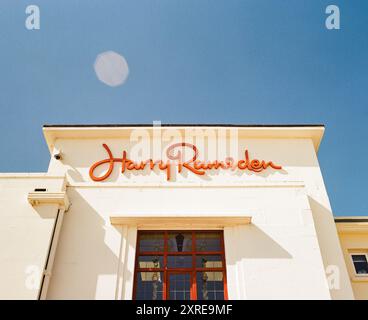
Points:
[193,165]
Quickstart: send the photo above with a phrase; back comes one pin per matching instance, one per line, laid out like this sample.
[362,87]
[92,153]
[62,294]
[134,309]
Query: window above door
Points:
[180,265]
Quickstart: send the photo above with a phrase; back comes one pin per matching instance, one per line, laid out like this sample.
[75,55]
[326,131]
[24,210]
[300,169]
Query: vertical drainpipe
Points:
[51,255]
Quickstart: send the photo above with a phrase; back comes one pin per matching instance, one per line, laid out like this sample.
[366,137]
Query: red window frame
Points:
[192,270]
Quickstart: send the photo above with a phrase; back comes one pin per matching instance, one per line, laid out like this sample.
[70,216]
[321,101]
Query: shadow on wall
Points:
[46,211]
[325,226]
[252,243]
[83,256]
[330,247]
[75,175]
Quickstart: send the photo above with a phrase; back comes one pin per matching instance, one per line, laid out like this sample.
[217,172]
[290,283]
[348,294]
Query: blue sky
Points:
[244,61]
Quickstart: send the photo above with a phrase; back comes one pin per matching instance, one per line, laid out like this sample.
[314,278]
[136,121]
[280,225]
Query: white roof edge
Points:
[22,175]
[298,132]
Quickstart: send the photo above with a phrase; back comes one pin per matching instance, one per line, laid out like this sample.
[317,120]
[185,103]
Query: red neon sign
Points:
[196,166]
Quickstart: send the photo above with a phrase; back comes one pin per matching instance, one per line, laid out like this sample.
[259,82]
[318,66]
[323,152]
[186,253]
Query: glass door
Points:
[180,265]
[179,285]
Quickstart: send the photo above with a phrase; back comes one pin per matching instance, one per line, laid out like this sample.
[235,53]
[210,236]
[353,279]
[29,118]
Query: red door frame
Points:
[193,270]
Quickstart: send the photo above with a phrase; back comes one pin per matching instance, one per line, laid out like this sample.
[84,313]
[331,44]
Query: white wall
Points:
[278,256]
[25,234]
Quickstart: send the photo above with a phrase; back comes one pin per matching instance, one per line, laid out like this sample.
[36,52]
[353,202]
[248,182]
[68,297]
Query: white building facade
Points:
[172,212]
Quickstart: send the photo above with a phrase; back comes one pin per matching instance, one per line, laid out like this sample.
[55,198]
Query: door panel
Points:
[179,286]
